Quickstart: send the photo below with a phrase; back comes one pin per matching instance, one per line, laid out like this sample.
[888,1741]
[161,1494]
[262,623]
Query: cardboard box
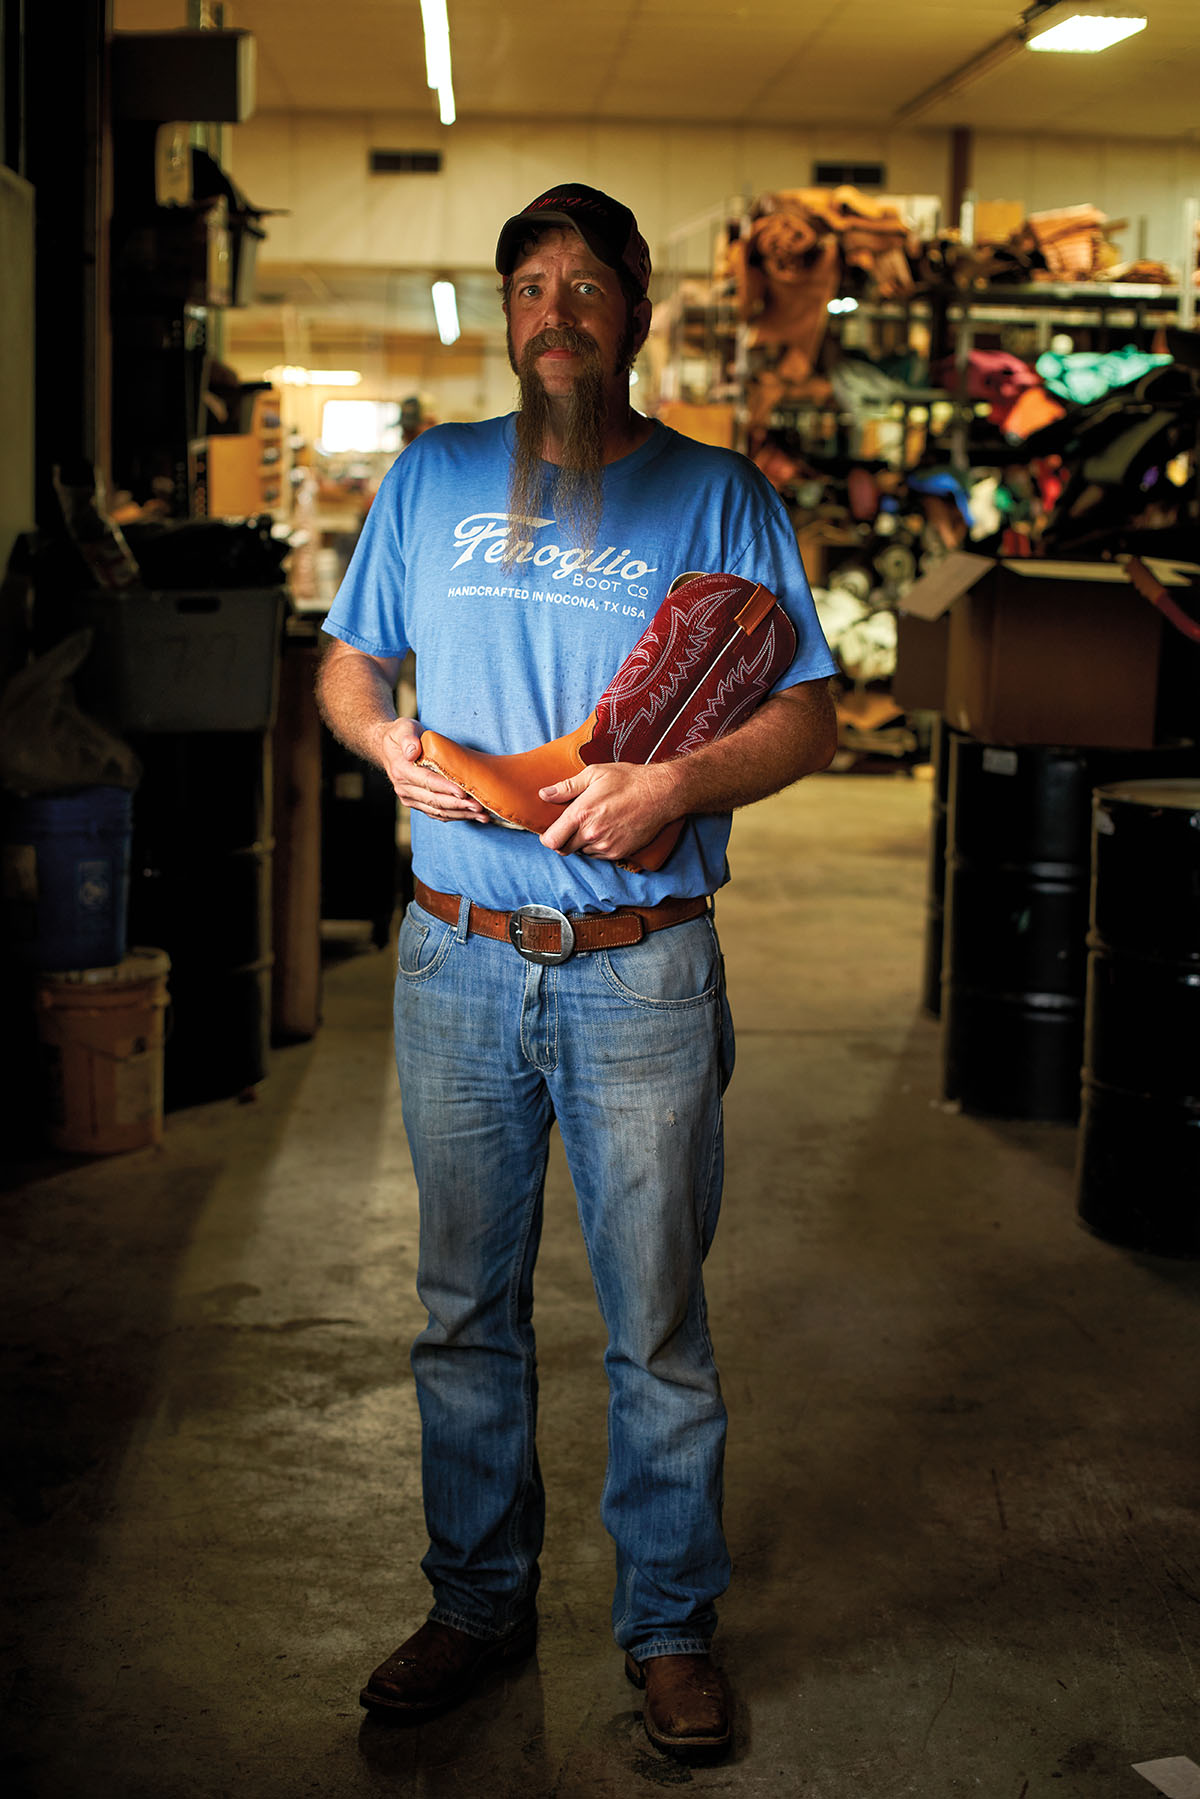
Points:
[922,652]
[1043,652]
[209,76]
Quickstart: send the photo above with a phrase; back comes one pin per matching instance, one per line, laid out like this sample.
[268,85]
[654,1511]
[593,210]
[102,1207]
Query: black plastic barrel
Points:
[1014,970]
[1138,1168]
[935,884]
[362,869]
[201,889]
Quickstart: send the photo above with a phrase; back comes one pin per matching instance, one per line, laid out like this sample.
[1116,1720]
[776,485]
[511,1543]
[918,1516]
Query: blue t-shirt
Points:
[509,658]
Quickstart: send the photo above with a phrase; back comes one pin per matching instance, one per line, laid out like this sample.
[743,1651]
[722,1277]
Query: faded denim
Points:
[629,1050]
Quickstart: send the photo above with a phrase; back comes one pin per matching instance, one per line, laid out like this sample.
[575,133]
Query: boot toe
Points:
[687,1705]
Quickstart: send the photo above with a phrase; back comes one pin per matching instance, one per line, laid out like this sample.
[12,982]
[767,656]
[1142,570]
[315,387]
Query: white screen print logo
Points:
[488,534]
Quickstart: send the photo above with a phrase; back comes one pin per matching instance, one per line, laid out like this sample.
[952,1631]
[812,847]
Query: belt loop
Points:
[464,919]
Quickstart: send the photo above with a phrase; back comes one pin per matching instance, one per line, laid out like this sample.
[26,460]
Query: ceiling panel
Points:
[1145,86]
[774,62]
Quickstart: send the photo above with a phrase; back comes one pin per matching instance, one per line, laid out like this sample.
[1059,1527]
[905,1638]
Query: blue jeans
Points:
[629,1050]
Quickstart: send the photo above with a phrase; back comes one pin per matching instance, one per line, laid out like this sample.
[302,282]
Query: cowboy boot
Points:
[707,658]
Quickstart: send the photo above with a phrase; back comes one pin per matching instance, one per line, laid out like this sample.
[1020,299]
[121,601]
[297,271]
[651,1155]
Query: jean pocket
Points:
[668,969]
[422,946]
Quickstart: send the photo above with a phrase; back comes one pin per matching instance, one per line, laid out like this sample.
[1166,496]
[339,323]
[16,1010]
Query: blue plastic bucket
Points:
[66,878]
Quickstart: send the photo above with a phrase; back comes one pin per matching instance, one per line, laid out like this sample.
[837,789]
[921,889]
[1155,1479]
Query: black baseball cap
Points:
[608,229]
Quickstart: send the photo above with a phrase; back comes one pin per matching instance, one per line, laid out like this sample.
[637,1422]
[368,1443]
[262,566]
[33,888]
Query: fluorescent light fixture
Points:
[1081,27]
[295,377]
[445,310]
[437,56]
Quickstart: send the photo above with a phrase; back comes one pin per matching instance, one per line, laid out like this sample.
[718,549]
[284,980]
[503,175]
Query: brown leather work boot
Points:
[437,1666]
[687,1705]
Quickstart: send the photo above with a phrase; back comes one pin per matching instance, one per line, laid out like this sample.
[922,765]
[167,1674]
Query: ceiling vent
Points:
[404,162]
[849,174]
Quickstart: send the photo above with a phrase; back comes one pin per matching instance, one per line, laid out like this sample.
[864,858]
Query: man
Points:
[520,559]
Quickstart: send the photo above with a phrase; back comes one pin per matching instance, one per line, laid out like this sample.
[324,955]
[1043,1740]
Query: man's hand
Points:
[356,694]
[612,809]
[397,750]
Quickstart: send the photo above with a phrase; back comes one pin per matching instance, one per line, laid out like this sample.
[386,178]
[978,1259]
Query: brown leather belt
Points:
[543,934]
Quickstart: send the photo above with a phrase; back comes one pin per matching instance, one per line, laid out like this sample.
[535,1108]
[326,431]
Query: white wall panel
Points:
[1003,169]
[1126,178]
[478,188]
[330,188]
[316,164]
[259,157]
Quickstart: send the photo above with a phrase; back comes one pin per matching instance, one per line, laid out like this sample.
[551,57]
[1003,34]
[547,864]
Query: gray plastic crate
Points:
[203,660]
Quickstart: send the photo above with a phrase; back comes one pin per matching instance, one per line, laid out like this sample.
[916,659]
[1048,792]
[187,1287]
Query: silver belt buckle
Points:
[567,939]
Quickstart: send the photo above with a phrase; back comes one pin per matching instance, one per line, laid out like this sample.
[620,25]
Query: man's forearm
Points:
[790,735]
[356,700]
[356,694]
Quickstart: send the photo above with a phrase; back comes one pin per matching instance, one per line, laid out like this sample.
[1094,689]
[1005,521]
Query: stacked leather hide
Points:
[793,262]
[1073,242]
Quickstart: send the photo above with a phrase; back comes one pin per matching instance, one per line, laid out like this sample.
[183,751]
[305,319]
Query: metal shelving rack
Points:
[689,254]
[952,314]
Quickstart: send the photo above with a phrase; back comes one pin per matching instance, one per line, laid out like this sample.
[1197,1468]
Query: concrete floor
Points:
[962,1477]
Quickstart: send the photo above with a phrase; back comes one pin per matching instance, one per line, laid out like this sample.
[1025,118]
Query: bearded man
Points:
[520,558]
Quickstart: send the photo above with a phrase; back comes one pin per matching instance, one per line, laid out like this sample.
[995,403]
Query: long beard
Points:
[576,493]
